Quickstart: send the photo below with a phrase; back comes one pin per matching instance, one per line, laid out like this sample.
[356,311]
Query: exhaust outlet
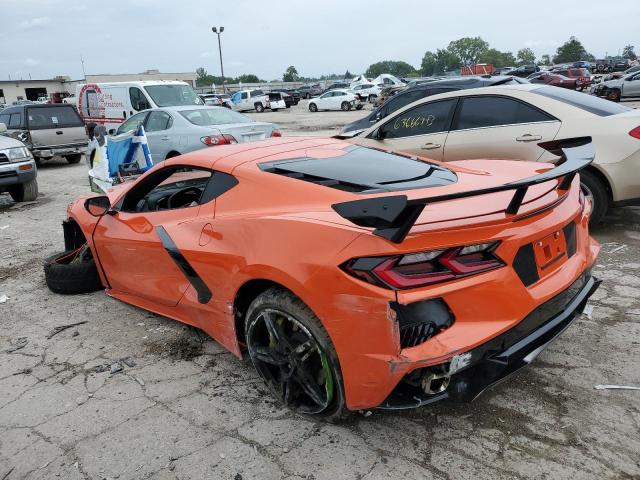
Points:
[433,383]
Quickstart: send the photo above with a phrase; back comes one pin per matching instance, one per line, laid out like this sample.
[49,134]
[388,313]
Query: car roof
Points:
[20,108]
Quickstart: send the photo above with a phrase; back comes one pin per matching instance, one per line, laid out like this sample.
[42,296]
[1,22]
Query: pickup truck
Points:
[17,169]
[246,100]
[47,130]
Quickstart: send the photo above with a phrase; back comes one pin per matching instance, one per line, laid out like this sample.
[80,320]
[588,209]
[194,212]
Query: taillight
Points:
[635,133]
[419,269]
[211,140]
[276,133]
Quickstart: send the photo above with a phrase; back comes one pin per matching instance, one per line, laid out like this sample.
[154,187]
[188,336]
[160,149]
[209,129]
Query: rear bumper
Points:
[488,364]
[48,152]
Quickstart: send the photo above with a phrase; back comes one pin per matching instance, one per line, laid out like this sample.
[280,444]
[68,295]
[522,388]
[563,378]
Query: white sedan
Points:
[338,99]
[509,122]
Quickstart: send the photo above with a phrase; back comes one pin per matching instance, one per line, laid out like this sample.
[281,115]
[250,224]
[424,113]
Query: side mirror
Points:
[378,134]
[3,127]
[97,206]
[112,131]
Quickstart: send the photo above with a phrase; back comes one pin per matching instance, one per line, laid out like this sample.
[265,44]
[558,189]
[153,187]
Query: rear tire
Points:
[313,107]
[70,274]
[25,192]
[278,325]
[75,158]
[593,188]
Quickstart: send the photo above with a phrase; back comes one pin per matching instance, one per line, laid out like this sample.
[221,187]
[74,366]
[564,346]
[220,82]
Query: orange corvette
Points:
[353,277]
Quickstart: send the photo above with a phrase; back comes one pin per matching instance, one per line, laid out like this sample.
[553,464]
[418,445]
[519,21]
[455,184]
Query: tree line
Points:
[462,52]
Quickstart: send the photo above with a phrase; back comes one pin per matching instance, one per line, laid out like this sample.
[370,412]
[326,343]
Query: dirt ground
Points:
[183,408]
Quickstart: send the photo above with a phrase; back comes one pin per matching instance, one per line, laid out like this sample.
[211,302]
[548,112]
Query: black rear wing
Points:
[393,216]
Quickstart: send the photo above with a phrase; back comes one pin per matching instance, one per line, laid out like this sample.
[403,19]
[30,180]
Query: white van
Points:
[111,103]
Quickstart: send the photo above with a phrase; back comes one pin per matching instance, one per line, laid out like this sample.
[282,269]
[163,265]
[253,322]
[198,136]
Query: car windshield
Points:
[214,116]
[589,103]
[172,95]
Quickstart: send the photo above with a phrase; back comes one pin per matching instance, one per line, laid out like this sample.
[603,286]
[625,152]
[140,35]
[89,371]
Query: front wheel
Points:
[293,354]
[313,107]
[593,188]
[25,192]
[259,107]
[346,106]
[613,95]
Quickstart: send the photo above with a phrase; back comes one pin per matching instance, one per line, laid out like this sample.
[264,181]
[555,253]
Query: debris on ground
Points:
[116,367]
[4,227]
[612,247]
[588,310]
[20,343]
[615,387]
[128,362]
[3,298]
[139,380]
[62,328]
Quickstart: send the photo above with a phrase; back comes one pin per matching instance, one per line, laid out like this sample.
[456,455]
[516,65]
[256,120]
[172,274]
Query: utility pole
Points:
[218,31]
[83,72]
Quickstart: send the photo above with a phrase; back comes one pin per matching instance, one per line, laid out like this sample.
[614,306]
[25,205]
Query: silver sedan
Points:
[172,131]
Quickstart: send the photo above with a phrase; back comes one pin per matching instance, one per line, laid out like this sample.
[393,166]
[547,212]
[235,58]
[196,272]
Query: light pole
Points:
[218,31]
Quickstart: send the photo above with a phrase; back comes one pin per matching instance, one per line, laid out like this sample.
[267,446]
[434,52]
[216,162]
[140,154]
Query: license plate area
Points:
[550,252]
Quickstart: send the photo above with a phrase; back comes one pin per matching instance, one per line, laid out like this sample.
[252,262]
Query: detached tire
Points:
[75,158]
[593,188]
[72,277]
[293,354]
[26,192]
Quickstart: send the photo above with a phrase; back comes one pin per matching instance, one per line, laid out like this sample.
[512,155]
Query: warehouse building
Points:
[63,86]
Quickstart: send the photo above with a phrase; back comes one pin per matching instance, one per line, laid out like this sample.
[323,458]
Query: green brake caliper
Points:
[328,383]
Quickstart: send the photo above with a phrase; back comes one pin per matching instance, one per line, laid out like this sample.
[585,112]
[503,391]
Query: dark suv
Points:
[47,130]
[422,90]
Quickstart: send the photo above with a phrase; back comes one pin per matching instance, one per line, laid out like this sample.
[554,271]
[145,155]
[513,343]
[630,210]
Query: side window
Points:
[433,117]
[5,119]
[244,95]
[488,111]
[15,121]
[176,187]
[157,121]
[133,123]
[138,100]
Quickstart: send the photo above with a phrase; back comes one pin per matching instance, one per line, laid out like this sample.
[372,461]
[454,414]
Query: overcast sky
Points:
[44,38]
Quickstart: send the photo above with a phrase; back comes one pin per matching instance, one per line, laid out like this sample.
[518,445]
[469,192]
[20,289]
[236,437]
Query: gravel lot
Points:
[184,408]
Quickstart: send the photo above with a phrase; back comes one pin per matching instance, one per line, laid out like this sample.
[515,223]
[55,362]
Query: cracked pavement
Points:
[183,408]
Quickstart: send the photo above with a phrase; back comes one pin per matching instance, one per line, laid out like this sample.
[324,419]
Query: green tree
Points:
[546,60]
[393,67]
[248,78]
[525,56]
[468,49]
[497,58]
[203,79]
[348,75]
[629,52]
[441,61]
[571,51]
[291,75]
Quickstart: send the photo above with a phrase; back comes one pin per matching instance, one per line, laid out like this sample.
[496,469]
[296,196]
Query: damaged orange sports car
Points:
[353,277]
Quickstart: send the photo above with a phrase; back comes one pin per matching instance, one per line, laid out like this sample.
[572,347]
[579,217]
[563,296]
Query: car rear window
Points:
[53,117]
[215,116]
[583,101]
[363,170]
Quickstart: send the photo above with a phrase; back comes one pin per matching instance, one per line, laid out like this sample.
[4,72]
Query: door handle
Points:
[164,138]
[59,132]
[431,146]
[527,137]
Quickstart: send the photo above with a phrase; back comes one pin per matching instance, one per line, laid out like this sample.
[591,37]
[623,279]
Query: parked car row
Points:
[517,121]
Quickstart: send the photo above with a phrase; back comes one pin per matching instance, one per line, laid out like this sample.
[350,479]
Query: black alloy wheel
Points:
[291,359]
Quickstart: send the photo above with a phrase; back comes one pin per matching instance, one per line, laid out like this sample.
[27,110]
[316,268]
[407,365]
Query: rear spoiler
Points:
[393,216]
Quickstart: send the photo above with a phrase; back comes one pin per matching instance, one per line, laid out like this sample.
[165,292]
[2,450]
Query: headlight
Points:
[18,154]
